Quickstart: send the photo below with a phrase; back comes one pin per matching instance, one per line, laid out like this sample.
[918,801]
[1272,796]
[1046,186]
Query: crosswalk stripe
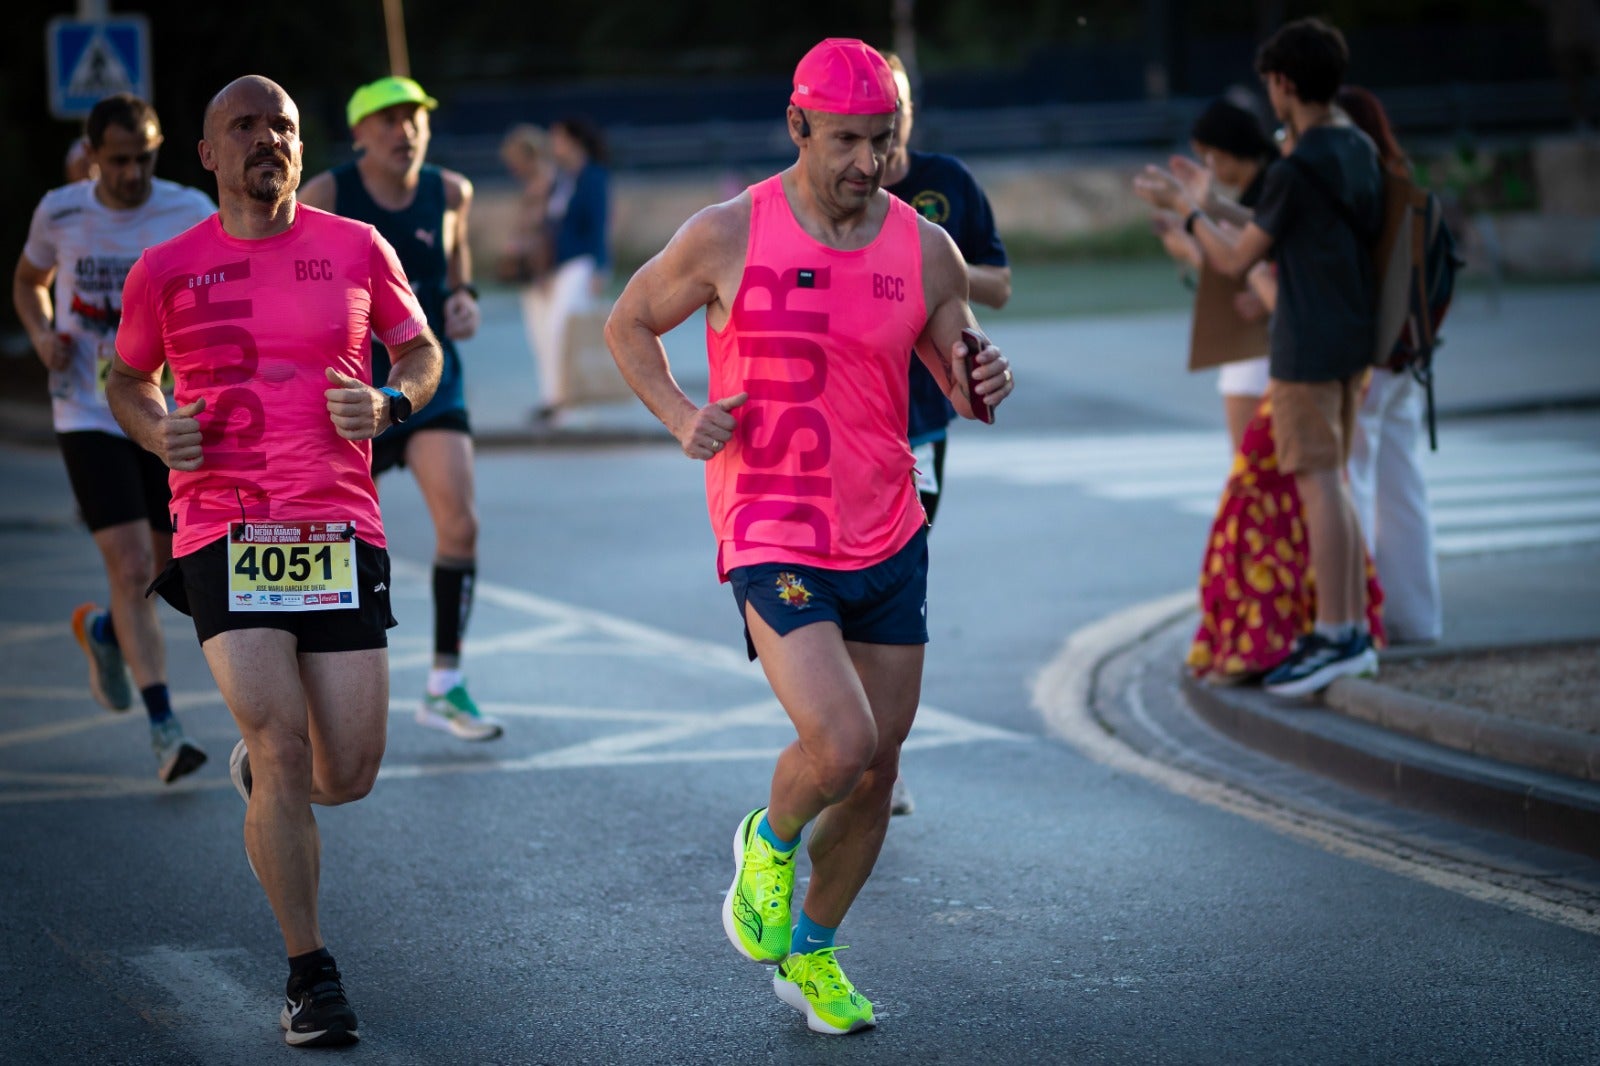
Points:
[1487,494]
[1480,541]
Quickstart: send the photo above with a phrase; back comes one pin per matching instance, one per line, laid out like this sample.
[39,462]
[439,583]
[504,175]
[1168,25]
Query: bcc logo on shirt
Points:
[313,270]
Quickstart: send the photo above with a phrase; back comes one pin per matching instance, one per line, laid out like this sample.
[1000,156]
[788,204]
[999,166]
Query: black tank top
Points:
[417,234]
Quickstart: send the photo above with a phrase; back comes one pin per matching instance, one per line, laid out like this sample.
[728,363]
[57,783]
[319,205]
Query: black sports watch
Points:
[399,405]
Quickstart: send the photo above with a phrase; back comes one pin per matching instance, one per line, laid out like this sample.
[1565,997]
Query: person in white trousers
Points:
[1385,466]
[577,211]
[1391,501]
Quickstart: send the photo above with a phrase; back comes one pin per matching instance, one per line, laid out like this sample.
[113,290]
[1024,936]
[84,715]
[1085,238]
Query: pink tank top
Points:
[819,471]
[251,326]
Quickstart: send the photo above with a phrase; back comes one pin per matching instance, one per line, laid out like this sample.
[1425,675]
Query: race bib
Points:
[292,566]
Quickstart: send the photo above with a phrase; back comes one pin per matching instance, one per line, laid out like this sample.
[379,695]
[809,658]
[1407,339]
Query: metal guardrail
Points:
[1434,110]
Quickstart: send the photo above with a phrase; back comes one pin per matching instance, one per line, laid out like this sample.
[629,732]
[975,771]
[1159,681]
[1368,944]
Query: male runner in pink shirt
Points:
[265,312]
[817,285]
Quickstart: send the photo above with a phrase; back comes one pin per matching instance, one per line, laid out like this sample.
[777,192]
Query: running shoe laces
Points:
[755,913]
[812,983]
[316,1011]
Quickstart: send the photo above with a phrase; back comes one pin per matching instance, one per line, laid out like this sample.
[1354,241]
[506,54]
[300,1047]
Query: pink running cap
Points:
[844,76]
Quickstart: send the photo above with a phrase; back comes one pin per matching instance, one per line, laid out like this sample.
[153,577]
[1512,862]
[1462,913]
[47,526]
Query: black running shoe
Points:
[1317,662]
[315,1012]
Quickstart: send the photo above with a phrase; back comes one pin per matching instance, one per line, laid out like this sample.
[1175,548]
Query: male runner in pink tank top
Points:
[817,285]
[265,312]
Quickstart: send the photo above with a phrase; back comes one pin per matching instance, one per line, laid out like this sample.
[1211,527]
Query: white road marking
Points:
[646,734]
[216,1013]
[1063,692]
[1534,493]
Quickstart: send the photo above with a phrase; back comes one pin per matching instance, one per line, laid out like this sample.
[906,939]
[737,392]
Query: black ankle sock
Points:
[310,962]
[157,703]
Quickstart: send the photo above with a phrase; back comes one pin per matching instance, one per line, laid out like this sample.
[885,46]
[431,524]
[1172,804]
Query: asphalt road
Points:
[553,897]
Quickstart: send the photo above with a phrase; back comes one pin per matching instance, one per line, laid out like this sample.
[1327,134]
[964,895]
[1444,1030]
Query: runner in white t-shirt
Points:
[68,293]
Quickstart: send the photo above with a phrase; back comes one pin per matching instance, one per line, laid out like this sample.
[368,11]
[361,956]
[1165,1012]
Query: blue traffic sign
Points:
[91,60]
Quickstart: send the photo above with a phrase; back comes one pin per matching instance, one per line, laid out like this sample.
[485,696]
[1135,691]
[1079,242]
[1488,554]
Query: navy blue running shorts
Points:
[882,604]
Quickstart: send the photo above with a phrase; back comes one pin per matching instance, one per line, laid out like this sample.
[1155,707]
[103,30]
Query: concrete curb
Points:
[1532,804]
[1542,747]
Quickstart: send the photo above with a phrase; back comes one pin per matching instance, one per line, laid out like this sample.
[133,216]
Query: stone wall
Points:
[1052,201]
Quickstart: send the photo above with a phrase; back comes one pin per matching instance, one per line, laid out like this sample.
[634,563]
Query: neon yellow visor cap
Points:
[385,92]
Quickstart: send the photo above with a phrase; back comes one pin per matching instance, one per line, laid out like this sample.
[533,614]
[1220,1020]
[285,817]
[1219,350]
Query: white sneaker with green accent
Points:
[456,714]
[813,984]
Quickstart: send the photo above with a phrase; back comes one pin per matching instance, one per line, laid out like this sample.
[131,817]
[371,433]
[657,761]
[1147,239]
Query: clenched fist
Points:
[356,408]
[180,437]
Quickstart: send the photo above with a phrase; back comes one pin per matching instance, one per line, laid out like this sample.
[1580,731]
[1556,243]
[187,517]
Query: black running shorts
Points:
[115,481]
[389,447]
[197,585]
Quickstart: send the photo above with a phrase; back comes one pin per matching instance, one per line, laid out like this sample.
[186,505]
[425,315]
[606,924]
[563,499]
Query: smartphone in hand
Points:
[975,343]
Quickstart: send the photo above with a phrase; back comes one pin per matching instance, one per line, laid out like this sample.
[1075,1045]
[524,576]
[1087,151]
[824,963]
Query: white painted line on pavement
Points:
[533,639]
[215,1010]
[17,634]
[647,742]
[1477,542]
[1524,511]
[1064,691]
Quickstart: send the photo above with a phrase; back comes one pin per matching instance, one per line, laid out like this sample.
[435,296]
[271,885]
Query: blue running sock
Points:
[103,630]
[157,703]
[764,829]
[809,936]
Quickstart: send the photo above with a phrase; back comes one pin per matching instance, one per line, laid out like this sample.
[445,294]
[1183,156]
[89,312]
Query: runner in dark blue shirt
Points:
[422,211]
[943,191]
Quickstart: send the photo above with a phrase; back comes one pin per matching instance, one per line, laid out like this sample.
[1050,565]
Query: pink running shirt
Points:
[251,326]
[819,471]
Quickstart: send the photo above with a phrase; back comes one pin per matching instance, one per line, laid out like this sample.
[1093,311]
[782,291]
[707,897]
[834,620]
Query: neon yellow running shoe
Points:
[755,913]
[813,984]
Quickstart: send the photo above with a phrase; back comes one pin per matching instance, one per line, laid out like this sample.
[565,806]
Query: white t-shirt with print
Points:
[92,248]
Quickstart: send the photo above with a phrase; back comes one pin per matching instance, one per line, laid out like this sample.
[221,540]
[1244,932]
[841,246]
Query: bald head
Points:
[252,141]
[252,88]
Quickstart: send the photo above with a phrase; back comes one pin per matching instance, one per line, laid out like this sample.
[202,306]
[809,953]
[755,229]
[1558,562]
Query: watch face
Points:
[399,406]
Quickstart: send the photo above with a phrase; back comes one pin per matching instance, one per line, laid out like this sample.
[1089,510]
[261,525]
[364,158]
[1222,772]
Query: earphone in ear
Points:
[805,125]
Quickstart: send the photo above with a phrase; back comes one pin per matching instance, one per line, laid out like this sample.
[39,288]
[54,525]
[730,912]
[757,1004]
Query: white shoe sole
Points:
[790,993]
[236,760]
[320,1038]
[1363,665]
[487,730]
[729,926]
[900,801]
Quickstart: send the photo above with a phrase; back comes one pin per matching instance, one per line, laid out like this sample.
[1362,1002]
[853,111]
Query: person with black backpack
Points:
[1323,331]
[1385,468]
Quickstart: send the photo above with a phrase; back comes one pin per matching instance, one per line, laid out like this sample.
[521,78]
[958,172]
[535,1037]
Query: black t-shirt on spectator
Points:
[1323,327]
[943,191]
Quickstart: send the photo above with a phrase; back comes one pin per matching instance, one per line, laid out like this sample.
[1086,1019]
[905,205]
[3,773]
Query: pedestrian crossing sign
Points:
[91,60]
